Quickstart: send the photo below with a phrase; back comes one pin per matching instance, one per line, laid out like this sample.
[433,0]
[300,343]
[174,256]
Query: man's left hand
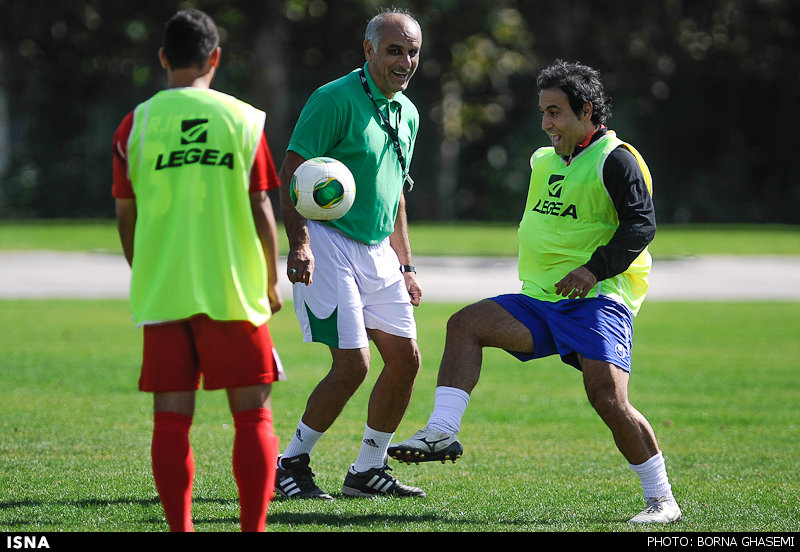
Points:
[577,284]
[414,290]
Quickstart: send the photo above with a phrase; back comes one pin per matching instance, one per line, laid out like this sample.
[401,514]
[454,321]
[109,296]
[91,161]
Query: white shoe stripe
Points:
[289,486]
[385,487]
[379,483]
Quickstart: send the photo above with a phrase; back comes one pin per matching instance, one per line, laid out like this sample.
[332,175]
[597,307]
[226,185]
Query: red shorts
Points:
[226,354]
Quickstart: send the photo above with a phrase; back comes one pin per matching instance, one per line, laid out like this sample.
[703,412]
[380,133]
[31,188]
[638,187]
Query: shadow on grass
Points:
[279,521]
[314,520]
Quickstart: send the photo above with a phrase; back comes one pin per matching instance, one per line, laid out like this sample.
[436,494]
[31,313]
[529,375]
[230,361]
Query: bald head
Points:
[395,16]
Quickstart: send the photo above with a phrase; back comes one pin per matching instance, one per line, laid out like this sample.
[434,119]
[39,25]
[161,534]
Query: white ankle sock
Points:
[372,453]
[449,405]
[303,441]
[653,474]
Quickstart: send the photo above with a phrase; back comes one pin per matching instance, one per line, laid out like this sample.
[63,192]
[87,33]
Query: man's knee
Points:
[606,387]
[412,360]
[398,353]
[405,360]
[487,324]
[249,398]
[181,402]
[462,322]
[605,401]
[350,364]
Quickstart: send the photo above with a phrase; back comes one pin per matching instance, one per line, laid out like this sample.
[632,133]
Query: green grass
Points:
[717,381]
[438,239]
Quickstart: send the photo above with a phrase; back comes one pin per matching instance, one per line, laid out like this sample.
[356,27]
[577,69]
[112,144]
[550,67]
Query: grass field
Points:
[718,381]
[721,392]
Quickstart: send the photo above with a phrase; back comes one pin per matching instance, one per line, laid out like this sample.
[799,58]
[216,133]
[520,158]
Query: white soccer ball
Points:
[322,188]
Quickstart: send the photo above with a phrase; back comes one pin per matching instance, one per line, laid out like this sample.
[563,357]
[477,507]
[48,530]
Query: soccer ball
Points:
[322,188]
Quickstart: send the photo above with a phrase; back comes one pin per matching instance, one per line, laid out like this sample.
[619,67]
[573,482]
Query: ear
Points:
[588,110]
[368,50]
[162,58]
[214,57]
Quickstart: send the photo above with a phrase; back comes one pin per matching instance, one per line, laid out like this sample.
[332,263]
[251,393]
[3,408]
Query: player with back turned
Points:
[191,172]
[583,262]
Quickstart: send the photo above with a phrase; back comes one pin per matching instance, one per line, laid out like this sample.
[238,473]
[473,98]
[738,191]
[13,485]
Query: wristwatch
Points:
[408,268]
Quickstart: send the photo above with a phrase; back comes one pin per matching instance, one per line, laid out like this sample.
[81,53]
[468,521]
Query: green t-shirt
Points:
[340,121]
[568,214]
[196,250]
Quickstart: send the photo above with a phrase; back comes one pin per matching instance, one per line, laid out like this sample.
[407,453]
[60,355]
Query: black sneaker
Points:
[294,479]
[377,482]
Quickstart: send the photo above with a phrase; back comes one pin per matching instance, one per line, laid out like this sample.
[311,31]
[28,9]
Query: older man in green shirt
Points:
[354,279]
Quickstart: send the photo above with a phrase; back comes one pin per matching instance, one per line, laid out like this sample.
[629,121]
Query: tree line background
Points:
[706,90]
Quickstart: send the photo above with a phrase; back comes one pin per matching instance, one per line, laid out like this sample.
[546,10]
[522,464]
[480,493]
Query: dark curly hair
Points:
[581,84]
[189,38]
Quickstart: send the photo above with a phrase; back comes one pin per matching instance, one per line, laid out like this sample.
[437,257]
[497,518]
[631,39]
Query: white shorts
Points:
[355,287]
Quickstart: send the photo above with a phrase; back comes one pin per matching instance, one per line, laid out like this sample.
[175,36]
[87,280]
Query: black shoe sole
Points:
[413,456]
[352,492]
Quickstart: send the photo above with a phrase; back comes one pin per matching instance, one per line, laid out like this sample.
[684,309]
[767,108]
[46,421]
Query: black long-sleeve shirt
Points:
[626,186]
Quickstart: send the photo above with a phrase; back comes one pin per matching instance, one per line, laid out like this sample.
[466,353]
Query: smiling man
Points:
[354,279]
[391,47]
[583,263]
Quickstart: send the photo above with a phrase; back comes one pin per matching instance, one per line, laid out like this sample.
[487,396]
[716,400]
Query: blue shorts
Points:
[596,328]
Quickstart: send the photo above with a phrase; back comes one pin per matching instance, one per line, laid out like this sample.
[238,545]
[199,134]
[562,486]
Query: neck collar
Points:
[596,135]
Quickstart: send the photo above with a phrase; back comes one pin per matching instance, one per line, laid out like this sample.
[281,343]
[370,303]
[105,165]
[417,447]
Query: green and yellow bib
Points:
[196,249]
[568,214]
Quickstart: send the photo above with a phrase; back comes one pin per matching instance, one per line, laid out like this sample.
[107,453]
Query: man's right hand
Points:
[300,265]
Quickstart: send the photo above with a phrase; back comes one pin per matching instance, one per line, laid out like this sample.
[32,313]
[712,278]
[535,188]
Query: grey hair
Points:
[375,25]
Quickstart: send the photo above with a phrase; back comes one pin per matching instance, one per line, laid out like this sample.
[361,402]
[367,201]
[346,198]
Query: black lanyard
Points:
[390,130]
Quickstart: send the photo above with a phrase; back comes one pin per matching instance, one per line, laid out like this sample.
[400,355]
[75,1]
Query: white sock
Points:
[303,441]
[372,453]
[653,474]
[449,405]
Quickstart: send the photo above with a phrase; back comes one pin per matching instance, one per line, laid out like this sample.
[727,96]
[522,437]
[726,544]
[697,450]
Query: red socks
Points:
[173,467]
[255,454]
